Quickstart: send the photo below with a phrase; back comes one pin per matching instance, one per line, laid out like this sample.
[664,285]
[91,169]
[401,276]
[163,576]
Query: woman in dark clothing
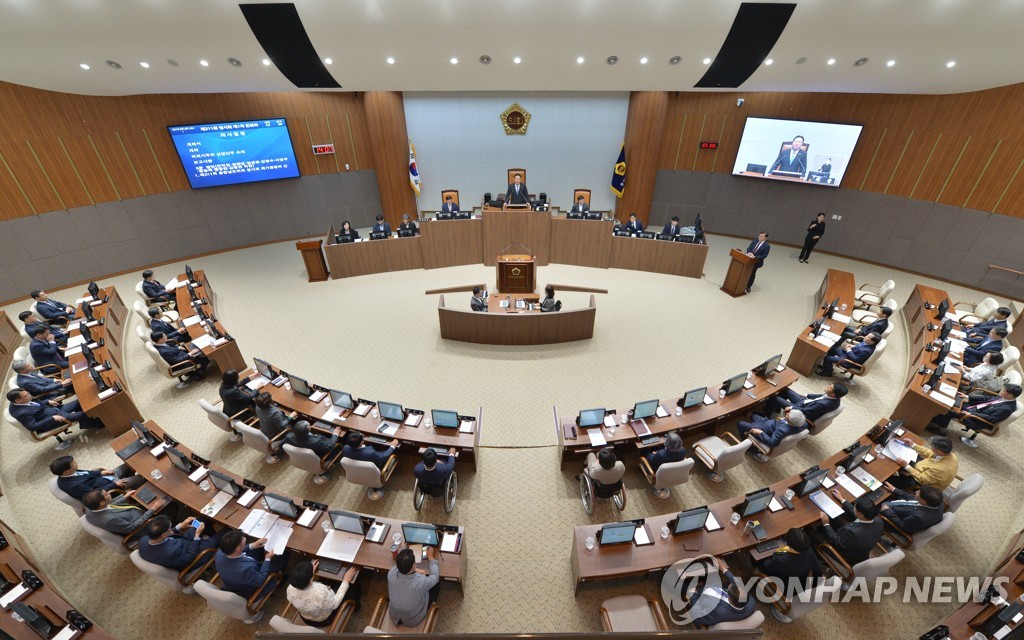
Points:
[814,233]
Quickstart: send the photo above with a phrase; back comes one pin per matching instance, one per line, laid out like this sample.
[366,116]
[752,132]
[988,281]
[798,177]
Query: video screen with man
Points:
[796,151]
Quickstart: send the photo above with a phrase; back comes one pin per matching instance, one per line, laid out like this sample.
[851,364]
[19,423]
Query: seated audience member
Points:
[39,386]
[813,405]
[878,326]
[76,483]
[605,467]
[854,540]
[935,468]
[977,332]
[408,224]
[381,225]
[992,342]
[272,420]
[173,354]
[477,303]
[40,417]
[728,604]
[235,396]
[410,592]
[673,451]
[796,560]
[157,323]
[302,436]
[449,206]
[31,321]
[315,601]
[771,432]
[434,470]
[117,515]
[356,449]
[672,228]
[634,225]
[858,353]
[549,303]
[984,376]
[54,311]
[153,289]
[348,230]
[913,512]
[175,547]
[993,409]
[44,348]
[243,568]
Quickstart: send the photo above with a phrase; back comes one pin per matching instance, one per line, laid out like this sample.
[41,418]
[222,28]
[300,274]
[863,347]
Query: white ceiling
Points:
[42,43]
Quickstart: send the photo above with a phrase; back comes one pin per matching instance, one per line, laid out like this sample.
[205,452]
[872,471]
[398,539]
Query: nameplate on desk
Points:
[73,352]
[198,474]
[67,633]
[317,396]
[158,450]
[308,517]
[248,498]
[362,410]
[191,320]
[13,595]
[712,524]
[214,506]
[106,394]
[75,341]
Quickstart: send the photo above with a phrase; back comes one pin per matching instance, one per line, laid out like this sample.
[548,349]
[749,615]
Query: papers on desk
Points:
[191,320]
[959,335]
[248,498]
[277,537]
[376,533]
[957,346]
[827,482]
[708,400]
[106,394]
[317,396]
[308,517]
[947,389]
[13,595]
[257,383]
[840,318]
[172,285]
[203,341]
[85,299]
[954,315]
[214,506]
[413,419]
[450,542]
[596,437]
[712,524]
[851,486]
[748,385]
[868,480]
[340,545]
[158,450]
[609,421]
[896,450]
[67,633]
[333,413]
[661,412]
[361,410]
[258,523]
[199,474]
[640,428]
[74,351]
[387,428]
[220,341]
[834,337]
[467,426]
[824,339]
[75,341]
[503,303]
[640,537]
[943,399]
[775,505]
[826,504]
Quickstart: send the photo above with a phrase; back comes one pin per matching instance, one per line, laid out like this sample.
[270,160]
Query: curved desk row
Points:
[224,351]
[516,327]
[807,350]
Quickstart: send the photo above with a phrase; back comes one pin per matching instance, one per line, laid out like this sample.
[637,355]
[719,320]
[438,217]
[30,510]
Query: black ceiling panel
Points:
[282,36]
[754,32]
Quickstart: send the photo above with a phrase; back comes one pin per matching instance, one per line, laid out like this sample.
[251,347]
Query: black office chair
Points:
[449,491]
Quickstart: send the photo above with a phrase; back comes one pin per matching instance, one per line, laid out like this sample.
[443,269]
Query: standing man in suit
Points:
[634,226]
[355,449]
[913,512]
[792,159]
[54,311]
[758,249]
[381,225]
[855,540]
[243,568]
[771,432]
[40,417]
[173,354]
[993,410]
[449,205]
[32,321]
[858,353]
[39,387]
[972,355]
[672,228]
[477,303]
[408,224]
[76,483]
[117,515]
[977,332]
[580,206]
[175,547]
[814,232]
[44,348]
[813,405]
[153,289]
[517,193]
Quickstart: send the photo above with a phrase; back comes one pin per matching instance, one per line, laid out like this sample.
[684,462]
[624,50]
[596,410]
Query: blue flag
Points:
[619,173]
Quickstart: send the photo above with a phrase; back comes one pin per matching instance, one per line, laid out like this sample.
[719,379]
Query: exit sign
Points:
[323,149]
[708,145]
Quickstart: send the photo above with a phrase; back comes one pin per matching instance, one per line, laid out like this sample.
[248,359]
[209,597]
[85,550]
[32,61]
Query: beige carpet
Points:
[377,336]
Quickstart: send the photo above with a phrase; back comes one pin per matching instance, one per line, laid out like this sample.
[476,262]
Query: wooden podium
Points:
[316,266]
[516,273]
[739,272]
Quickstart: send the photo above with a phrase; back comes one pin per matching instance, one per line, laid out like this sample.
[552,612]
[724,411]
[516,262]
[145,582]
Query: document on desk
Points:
[172,285]
[257,382]
[826,504]
[103,395]
[840,318]
[191,320]
[834,337]
[75,341]
[661,412]
[214,506]
[387,428]
[868,480]
[775,505]
[640,537]
[73,352]
[333,413]
[942,399]
[362,410]
[340,545]
[947,389]
[896,450]
[258,523]
[748,384]
[67,633]
[712,524]
[825,340]
[954,315]
[609,421]
[277,537]
[596,437]
[203,341]
[317,396]
[308,517]
[851,486]
[450,543]
[413,419]
[959,335]
[708,400]
[957,346]
[467,426]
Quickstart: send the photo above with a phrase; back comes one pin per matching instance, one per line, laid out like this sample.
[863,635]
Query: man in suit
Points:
[974,355]
[792,159]
[381,225]
[44,348]
[878,326]
[794,561]
[827,167]
[434,470]
[854,540]
[757,249]
[580,206]
[408,224]
[272,421]
[31,321]
[40,417]
[154,290]
[605,467]
[634,226]
[813,405]
[936,467]
[673,451]
[302,436]
[54,311]
[235,396]
[355,449]
[858,353]
[449,205]
[672,228]
[771,432]
[38,386]
[993,409]
[477,303]
[244,567]
[173,354]
[117,515]
[170,331]
[76,483]
[726,603]
[175,547]
[913,512]
[977,332]
[517,193]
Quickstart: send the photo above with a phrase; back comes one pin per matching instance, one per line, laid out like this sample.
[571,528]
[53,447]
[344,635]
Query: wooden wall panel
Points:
[385,120]
[968,170]
[910,163]
[13,202]
[90,167]
[60,170]
[115,162]
[939,166]
[142,160]
[645,130]
[30,176]
[1004,164]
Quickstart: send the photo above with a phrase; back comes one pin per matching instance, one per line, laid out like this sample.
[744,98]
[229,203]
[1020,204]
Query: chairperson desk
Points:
[807,350]
[226,354]
[625,560]
[516,327]
[467,444]
[696,422]
[658,256]
[176,485]
[373,256]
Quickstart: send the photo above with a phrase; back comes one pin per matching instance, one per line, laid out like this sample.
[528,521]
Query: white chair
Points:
[179,371]
[718,456]
[764,453]
[755,621]
[66,498]
[1011,356]
[668,475]
[233,605]
[867,316]
[22,353]
[380,621]
[291,622]
[180,581]
[814,427]
[632,614]
[869,569]
[991,428]
[854,369]
[254,439]
[118,544]
[143,333]
[919,540]
[308,461]
[368,475]
[164,306]
[24,334]
[62,434]
[787,610]
[866,298]
[973,313]
[221,420]
[142,310]
[967,487]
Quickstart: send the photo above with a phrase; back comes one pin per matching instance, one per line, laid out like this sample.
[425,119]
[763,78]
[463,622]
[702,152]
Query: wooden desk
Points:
[658,256]
[586,243]
[695,423]
[374,256]
[494,302]
[448,243]
[10,340]
[517,328]
[918,318]
[176,485]
[532,229]
[805,350]
[622,561]
[226,355]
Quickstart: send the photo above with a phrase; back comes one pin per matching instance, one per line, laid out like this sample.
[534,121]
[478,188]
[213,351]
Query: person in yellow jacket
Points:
[936,467]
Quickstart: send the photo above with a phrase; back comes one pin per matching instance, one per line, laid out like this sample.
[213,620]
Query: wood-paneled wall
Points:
[645,125]
[963,149]
[385,120]
[59,151]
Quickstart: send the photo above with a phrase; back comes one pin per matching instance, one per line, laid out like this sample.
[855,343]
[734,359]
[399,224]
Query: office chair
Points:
[181,581]
[367,474]
[165,305]
[975,312]
[814,427]
[867,316]
[873,567]
[172,371]
[254,439]
[917,541]
[967,487]
[66,498]
[69,392]
[449,491]
[991,429]
[763,453]
[633,614]
[865,299]
[787,609]
[719,456]
[235,606]
[143,333]
[223,422]
[380,621]
[854,369]
[1011,356]
[59,322]
[308,461]
[121,545]
[668,475]
[290,622]
[62,434]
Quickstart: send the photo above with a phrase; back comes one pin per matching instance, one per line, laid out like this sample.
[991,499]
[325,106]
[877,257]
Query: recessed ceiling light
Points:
[113,65]
[234,62]
[328,61]
[266,62]
[769,61]
[579,60]
[860,62]
[831,61]
[707,60]
[951,64]
[144,65]
[517,59]
[84,66]
[675,59]
[612,59]
[204,63]
[643,60]
[455,61]
[891,63]
[484,59]
[391,61]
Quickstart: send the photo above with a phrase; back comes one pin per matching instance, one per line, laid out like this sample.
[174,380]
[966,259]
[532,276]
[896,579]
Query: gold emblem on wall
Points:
[516,271]
[515,119]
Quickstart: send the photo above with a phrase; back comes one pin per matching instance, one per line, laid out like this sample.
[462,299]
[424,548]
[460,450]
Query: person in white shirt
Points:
[315,601]
[985,375]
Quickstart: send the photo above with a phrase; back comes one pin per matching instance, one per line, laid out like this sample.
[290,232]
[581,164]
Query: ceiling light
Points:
[517,59]
[204,63]
[144,65]
[84,66]
[612,59]
[456,61]
[234,62]
[113,65]
[643,60]
[769,61]
[391,61]
[860,62]
[707,60]
[831,61]
[891,63]
[675,59]
[266,62]
[328,61]
[951,64]
[484,59]
[579,60]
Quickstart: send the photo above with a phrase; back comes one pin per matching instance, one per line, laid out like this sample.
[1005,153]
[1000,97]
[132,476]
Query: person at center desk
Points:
[347,230]
[792,161]
[356,449]
[302,436]
[244,567]
[434,470]
[673,451]
[672,228]
[449,206]
[381,225]
[854,540]
[580,206]
[992,342]
[634,225]
[913,512]
[407,224]
[936,467]
[796,560]
[477,303]
[878,326]
[517,193]
[549,303]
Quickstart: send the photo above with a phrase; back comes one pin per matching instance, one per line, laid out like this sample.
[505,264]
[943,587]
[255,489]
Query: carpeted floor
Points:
[377,336]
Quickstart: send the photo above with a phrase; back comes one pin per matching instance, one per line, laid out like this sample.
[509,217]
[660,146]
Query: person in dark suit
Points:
[580,206]
[302,436]
[272,421]
[854,540]
[433,470]
[813,405]
[173,354]
[634,226]
[549,303]
[39,387]
[235,395]
[858,353]
[477,303]
[673,451]
[76,482]
[243,568]
[44,348]
[672,228]
[727,604]
[878,326]
[794,561]
[827,167]
[31,321]
[175,547]
[913,512]
[517,193]
[814,232]
[39,417]
[381,225]
[758,249]
[118,515]
[347,230]
[449,206]
[972,355]
[408,224]
[153,289]
[977,332]
[355,449]
[54,311]
[993,409]
[171,331]
[771,432]
[792,158]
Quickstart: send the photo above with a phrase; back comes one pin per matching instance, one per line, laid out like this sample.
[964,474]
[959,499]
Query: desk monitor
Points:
[264,368]
[406,233]
[87,312]
[616,533]
[691,520]
[942,353]
[191,291]
[94,290]
[816,327]
[645,409]
[856,455]
[36,621]
[734,384]
[425,534]
[757,168]
[342,399]
[280,505]
[89,356]
[591,418]
[947,326]
[144,434]
[574,215]
[344,238]
[933,380]
[890,432]
[810,481]
[445,419]
[391,411]
[942,310]
[463,215]
[180,460]
[225,483]
[694,397]
[378,235]
[593,215]
[769,366]
[299,385]
[755,502]
[85,333]
[832,307]
[351,522]
[444,215]
[101,384]
[189,274]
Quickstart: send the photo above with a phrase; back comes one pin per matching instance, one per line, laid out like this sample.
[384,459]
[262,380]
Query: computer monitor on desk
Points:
[593,215]
[690,520]
[947,327]
[734,384]
[351,522]
[616,533]
[406,233]
[755,502]
[942,353]
[264,369]
[591,418]
[144,434]
[444,215]
[94,290]
[424,534]
[574,215]
[189,275]
[445,419]
[855,457]
[645,409]
[831,308]
[768,368]
[225,483]
[299,385]
[391,411]
[281,505]
[344,238]
[180,460]
[810,481]
[693,398]
[342,399]
[943,309]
